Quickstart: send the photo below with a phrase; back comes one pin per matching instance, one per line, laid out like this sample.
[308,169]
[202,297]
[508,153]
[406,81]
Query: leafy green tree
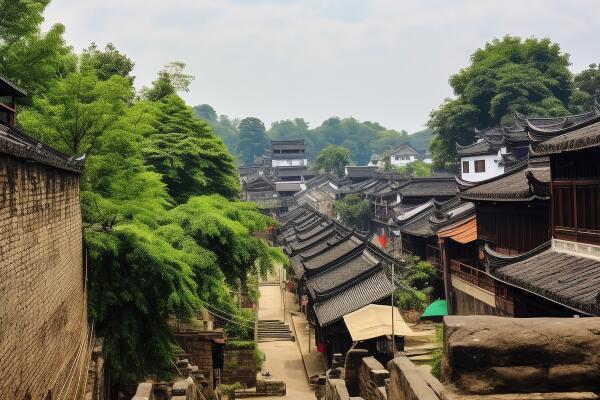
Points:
[77,110]
[507,75]
[354,212]
[161,87]
[137,279]
[224,127]
[587,87]
[332,159]
[191,159]
[106,63]
[417,281]
[589,80]
[416,169]
[206,112]
[252,139]
[30,58]
[170,80]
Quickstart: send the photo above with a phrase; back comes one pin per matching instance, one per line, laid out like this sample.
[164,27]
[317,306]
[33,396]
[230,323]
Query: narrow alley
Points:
[283,358]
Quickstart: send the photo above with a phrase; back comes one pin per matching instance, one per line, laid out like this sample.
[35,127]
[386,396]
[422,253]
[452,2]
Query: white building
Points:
[480,161]
[402,155]
[288,153]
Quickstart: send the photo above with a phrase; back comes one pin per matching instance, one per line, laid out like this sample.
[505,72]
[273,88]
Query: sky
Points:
[378,60]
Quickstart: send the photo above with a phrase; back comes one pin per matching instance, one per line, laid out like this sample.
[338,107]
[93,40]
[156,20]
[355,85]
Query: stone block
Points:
[406,382]
[485,354]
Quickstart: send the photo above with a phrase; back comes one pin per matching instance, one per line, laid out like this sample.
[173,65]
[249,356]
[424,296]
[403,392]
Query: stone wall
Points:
[200,346]
[239,365]
[407,382]
[485,354]
[335,389]
[43,310]
[371,378]
[352,369]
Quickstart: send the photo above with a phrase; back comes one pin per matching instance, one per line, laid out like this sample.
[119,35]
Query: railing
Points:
[472,276]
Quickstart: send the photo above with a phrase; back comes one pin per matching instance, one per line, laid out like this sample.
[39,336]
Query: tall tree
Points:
[587,88]
[106,63]
[191,159]
[332,159]
[253,139]
[206,112]
[530,76]
[77,110]
[170,80]
[30,58]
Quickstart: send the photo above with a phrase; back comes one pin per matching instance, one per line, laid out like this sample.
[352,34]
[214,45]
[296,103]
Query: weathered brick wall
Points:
[42,304]
[239,365]
[199,345]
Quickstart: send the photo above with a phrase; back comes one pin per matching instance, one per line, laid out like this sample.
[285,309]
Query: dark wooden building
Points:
[563,275]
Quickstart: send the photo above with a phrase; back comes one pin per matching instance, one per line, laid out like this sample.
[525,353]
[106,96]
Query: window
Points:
[479,166]
[465,167]
[397,158]
[404,158]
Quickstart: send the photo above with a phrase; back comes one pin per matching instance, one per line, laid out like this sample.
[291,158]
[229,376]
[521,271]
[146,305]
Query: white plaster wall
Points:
[401,163]
[289,163]
[492,168]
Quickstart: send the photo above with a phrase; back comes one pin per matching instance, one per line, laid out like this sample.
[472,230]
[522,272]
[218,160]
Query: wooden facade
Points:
[576,197]
[513,228]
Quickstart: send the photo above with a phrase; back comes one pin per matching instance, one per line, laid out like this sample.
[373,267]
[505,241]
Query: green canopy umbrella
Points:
[437,309]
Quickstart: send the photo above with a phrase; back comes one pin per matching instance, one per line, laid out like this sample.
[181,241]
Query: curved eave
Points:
[497,260]
[544,149]
[581,120]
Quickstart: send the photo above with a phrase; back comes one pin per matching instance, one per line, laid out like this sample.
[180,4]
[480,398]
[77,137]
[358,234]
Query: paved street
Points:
[283,358]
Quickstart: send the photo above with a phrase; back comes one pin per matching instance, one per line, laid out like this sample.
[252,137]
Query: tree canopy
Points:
[354,212]
[252,139]
[332,159]
[507,75]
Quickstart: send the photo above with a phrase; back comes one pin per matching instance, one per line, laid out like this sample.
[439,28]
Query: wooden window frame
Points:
[476,163]
[572,233]
[465,167]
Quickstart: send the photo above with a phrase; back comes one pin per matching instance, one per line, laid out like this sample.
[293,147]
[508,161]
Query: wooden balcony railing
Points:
[472,275]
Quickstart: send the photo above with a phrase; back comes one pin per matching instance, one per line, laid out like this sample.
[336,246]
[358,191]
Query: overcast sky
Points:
[378,60]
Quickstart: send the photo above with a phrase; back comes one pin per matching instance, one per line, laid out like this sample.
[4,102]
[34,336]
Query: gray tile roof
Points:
[514,186]
[296,247]
[342,276]
[333,254]
[579,139]
[564,278]
[371,290]
[433,187]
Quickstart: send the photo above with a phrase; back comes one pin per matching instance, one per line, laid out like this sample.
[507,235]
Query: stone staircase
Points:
[272,330]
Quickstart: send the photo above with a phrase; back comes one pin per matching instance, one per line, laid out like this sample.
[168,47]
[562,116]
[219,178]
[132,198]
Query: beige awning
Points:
[374,321]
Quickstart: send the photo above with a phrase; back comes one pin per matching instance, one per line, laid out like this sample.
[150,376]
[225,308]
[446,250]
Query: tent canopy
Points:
[374,321]
[438,308]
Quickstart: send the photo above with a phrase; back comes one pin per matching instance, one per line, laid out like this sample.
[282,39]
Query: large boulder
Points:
[485,354]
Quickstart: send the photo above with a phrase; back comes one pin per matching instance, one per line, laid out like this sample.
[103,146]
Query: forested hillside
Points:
[360,138]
